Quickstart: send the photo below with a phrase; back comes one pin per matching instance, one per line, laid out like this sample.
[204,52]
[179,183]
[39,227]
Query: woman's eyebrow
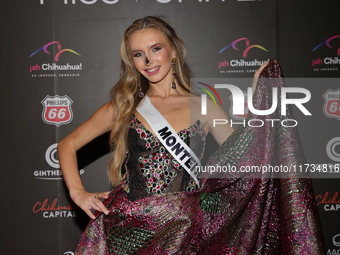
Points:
[148,46]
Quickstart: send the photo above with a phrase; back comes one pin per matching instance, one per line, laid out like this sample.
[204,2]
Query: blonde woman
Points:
[158,205]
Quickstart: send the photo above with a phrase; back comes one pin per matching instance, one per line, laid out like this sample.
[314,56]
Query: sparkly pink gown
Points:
[158,209]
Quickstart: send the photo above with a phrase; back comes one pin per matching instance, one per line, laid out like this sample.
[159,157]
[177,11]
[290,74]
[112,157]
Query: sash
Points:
[169,138]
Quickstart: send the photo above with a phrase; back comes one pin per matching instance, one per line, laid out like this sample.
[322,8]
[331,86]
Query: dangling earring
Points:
[141,92]
[173,65]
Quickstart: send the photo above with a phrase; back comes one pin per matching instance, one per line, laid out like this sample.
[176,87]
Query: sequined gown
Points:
[156,170]
[158,209]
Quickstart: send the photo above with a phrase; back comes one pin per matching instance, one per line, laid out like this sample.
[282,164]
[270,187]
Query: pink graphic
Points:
[328,44]
[246,50]
[57,55]
[209,93]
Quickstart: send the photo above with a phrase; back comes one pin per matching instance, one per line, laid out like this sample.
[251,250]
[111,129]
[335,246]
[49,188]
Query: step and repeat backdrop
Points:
[60,58]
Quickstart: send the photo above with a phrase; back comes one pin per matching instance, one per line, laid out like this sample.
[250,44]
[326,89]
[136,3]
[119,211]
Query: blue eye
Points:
[137,55]
[156,48]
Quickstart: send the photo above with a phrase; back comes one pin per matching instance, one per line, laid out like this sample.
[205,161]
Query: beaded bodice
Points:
[150,169]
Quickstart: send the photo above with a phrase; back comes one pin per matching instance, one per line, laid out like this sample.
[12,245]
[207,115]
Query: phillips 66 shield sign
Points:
[57,110]
[332,103]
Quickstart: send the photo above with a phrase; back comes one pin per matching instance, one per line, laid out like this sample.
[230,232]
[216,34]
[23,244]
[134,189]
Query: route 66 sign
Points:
[57,110]
[332,103]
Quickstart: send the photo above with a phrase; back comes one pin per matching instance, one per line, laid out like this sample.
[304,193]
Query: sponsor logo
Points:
[332,103]
[329,202]
[247,46]
[55,69]
[242,65]
[57,110]
[51,157]
[336,240]
[328,58]
[336,243]
[54,210]
[331,151]
[59,52]
[328,44]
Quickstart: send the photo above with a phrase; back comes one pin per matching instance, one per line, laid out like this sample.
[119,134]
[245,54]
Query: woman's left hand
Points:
[257,74]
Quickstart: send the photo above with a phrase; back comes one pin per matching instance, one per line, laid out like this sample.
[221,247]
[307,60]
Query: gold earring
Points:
[141,92]
[173,65]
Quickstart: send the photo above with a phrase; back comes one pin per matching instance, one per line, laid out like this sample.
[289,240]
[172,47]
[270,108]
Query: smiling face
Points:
[151,54]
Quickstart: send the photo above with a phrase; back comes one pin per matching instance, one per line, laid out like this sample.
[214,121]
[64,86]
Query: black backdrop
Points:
[60,58]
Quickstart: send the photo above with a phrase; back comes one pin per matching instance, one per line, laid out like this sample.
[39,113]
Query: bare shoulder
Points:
[105,111]
[100,122]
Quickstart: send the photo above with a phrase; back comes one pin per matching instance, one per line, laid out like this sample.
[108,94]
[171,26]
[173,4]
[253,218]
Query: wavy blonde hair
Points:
[124,95]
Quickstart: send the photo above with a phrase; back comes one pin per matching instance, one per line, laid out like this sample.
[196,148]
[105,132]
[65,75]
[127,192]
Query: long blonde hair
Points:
[124,95]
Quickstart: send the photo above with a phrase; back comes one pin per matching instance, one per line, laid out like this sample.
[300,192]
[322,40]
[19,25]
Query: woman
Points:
[158,205]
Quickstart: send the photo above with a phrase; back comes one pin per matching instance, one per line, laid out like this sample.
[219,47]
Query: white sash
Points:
[169,138]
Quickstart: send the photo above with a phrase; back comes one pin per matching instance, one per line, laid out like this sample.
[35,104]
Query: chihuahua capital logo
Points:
[57,55]
[247,48]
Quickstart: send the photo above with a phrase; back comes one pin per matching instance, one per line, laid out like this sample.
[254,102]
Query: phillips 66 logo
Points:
[57,110]
[332,103]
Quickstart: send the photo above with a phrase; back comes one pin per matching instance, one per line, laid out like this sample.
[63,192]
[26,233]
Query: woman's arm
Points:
[217,122]
[99,123]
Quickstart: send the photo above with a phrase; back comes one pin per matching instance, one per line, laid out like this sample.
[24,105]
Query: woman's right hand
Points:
[87,201]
